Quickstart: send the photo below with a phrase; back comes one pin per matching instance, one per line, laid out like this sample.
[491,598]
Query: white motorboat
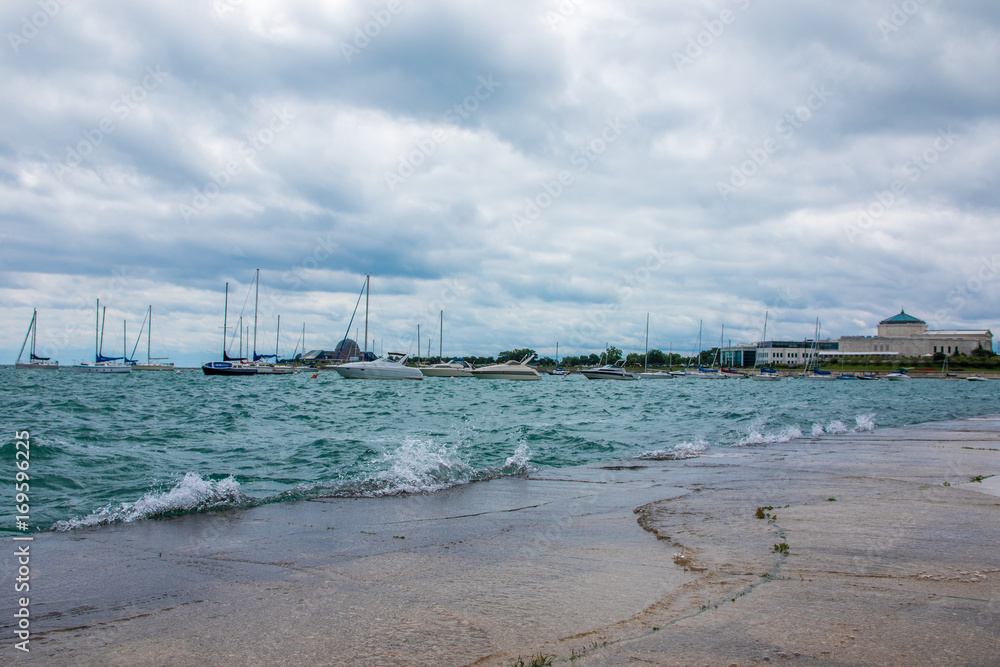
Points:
[512,370]
[456,368]
[390,367]
[34,361]
[897,376]
[657,375]
[614,371]
[977,378]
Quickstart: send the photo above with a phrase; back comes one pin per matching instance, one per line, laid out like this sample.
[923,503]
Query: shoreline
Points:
[659,561]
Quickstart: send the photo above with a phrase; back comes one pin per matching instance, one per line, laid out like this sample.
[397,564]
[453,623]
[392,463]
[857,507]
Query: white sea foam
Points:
[836,426]
[865,422]
[420,466]
[191,494]
[685,450]
[519,460]
[817,430]
[755,437]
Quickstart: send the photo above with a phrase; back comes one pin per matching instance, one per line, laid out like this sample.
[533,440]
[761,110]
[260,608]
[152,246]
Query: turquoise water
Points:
[125,448]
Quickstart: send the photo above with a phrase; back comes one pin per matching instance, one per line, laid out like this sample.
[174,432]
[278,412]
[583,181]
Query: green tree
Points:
[633,359]
[613,355]
[656,358]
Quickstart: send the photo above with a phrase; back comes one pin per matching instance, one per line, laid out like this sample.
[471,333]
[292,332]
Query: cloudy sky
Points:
[543,171]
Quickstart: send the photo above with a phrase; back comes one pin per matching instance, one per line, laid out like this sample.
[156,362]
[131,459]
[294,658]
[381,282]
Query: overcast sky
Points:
[542,171]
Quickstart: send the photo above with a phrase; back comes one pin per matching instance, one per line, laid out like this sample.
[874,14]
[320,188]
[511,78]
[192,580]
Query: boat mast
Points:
[30,328]
[225,313]
[124,341]
[256,298]
[100,345]
[418,345]
[557,353]
[277,334]
[34,331]
[149,334]
[368,283]
[645,356]
[441,339]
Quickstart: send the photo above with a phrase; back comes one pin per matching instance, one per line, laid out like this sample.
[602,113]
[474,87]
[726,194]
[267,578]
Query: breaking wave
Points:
[685,450]
[191,494]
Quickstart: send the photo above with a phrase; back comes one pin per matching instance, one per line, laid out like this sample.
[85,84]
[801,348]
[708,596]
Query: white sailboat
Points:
[704,373]
[456,368]
[150,365]
[391,366]
[34,361]
[764,374]
[647,374]
[102,364]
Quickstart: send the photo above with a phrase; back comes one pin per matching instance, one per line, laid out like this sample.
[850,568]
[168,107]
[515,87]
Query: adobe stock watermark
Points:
[33,25]
[256,142]
[786,127]
[898,17]
[597,318]
[365,33]
[698,43]
[426,147]
[122,107]
[914,169]
[584,156]
[984,273]
[223,7]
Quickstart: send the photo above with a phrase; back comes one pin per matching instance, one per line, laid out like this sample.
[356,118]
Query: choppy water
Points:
[123,448]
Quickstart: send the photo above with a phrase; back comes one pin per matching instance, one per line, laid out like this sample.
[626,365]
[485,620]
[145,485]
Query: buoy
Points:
[313,376]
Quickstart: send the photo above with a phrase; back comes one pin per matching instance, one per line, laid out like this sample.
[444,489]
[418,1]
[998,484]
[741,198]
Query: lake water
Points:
[115,448]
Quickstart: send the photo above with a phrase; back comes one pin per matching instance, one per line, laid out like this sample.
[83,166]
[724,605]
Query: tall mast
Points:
[256,296]
[34,330]
[368,282]
[100,345]
[418,345]
[241,336]
[149,334]
[277,333]
[225,313]
[124,341]
[645,357]
[557,353]
[441,339]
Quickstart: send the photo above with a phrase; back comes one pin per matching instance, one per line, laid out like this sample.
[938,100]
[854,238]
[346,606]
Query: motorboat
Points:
[656,375]
[977,378]
[456,368]
[559,370]
[898,375]
[392,366]
[511,370]
[615,371]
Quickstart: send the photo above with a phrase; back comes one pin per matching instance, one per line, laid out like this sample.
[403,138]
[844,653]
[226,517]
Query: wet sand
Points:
[639,562]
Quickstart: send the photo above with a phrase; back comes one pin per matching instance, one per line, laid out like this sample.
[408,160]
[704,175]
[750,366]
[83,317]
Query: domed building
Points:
[907,336]
[346,350]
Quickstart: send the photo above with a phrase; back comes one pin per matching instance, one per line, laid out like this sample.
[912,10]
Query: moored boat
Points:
[615,371]
[511,370]
[456,368]
[34,361]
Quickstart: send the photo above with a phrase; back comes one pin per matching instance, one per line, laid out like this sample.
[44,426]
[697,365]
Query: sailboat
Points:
[150,365]
[705,373]
[34,361]
[647,374]
[229,365]
[456,368]
[765,374]
[102,364]
[813,360]
[391,366]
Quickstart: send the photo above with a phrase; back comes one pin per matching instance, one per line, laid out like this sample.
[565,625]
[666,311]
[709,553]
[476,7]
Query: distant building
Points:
[907,336]
[793,352]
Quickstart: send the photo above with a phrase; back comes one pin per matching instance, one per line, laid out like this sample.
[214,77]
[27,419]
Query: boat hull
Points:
[227,368]
[619,375]
[153,367]
[102,368]
[446,372]
[656,375]
[365,370]
[38,366]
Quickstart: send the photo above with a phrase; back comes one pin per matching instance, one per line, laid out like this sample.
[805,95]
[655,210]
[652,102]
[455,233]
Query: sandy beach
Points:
[891,559]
